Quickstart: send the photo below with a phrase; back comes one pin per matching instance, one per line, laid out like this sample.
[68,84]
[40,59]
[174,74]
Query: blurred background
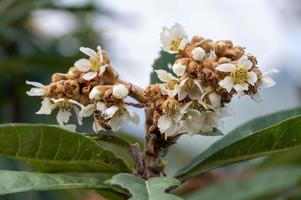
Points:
[38,38]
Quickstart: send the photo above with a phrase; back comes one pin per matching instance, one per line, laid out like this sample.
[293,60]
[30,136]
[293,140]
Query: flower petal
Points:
[198,53]
[63,117]
[36,92]
[36,84]
[120,91]
[78,116]
[96,126]
[115,123]
[245,62]
[227,83]
[252,78]
[267,82]
[226,67]
[88,51]
[100,106]
[45,108]
[89,76]
[164,123]
[110,112]
[241,87]
[94,94]
[87,111]
[134,117]
[257,97]
[102,69]
[179,69]
[164,76]
[82,65]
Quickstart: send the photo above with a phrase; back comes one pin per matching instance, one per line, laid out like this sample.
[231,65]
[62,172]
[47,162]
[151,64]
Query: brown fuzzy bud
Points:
[234,53]
[58,77]
[73,73]
[71,89]
[223,60]
[207,45]
[196,39]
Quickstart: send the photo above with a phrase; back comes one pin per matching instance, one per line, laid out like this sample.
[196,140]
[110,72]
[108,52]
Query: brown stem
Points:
[135,91]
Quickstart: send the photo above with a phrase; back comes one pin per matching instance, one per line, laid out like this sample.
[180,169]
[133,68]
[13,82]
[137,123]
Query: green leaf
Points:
[151,189]
[264,183]
[52,149]
[262,136]
[162,63]
[14,181]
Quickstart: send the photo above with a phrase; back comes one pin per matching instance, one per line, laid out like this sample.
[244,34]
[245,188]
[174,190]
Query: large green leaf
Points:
[262,136]
[162,63]
[265,183]
[151,189]
[52,149]
[14,181]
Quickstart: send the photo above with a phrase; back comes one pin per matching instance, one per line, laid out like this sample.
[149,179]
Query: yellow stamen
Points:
[171,84]
[171,107]
[175,44]
[190,85]
[65,105]
[239,75]
[95,63]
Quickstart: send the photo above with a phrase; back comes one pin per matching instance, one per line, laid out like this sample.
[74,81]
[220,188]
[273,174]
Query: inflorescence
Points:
[206,76]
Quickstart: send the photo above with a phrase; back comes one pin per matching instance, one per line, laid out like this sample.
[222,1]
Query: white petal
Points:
[241,87]
[267,82]
[245,62]
[88,51]
[177,30]
[110,112]
[172,130]
[82,65]
[115,123]
[227,83]
[87,111]
[36,92]
[179,69]
[102,69]
[226,67]
[78,116]
[134,117]
[36,84]
[69,127]
[165,36]
[183,44]
[164,123]
[215,99]
[100,106]
[120,91]
[97,127]
[57,100]
[257,97]
[94,94]
[252,78]
[75,103]
[164,76]
[45,108]
[63,117]
[89,76]
[271,72]
[198,53]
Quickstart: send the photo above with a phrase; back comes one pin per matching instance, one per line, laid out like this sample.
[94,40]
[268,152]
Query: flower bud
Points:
[73,73]
[95,94]
[179,69]
[120,91]
[58,77]
[198,53]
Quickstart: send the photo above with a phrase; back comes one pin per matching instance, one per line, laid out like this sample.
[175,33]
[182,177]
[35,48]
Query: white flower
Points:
[191,119]
[240,77]
[174,39]
[179,69]
[93,66]
[39,89]
[94,94]
[169,122]
[116,115]
[120,91]
[210,100]
[191,88]
[265,82]
[209,121]
[170,86]
[87,111]
[65,107]
[198,53]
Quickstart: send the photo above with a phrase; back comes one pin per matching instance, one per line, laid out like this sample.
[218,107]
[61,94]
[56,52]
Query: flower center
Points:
[95,63]
[65,105]
[239,75]
[196,105]
[175,44]
[190,85]
[120,112]
[171,84]
[171,107]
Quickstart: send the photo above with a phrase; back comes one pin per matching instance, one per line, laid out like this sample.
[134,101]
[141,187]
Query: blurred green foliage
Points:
[26,54]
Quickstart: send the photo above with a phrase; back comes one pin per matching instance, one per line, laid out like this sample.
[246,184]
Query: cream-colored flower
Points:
[120,91]
[93,66]
[174,39]
[169,122]
[191,88]
[266,81]
[198,53]
[191,119]
[170,84]
[39,89]
[179,69]
[209,121]
[65,106]
[210,100]
[116,115]
[240,76]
